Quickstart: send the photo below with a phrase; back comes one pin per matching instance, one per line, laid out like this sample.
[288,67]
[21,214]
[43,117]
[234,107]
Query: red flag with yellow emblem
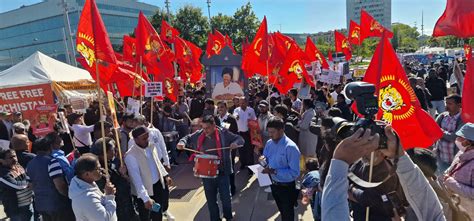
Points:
[398,104]
[93,43]
[168,33]
[354,33]
[292,70]
[343,45]
[467,51]
[251,62]
[314,54]
[369,27]
[187,56]
[129,49]
[149,44]
[215,43]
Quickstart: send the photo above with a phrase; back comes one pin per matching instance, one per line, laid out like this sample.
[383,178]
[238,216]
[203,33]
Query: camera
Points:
[367,105]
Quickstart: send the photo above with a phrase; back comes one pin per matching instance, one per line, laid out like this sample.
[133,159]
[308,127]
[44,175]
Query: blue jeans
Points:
[220,185]
[24,214]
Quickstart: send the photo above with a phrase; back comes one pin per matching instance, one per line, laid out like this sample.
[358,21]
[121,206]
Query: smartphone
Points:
[156,207]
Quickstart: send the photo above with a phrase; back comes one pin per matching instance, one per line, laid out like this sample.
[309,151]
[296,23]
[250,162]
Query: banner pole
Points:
[141,95]
[101,105]
[151,110]
[119,148]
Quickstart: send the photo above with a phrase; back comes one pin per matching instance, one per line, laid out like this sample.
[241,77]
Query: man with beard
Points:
[128,124]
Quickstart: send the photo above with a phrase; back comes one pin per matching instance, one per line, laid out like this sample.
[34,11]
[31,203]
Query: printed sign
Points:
[133,106]
[24,99]
[63,121]
[359,73]
[44,119]
[153,89]
[330,77]
[110,98]
[79,104]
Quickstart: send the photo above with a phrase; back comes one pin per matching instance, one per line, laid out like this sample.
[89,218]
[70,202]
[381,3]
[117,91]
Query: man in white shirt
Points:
[157,139]
[242,114]
[82,133]
[148,176]
[227,89]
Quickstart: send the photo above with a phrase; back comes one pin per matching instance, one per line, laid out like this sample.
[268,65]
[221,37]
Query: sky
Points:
[298,16]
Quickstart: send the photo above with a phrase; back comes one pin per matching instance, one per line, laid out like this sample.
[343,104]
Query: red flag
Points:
[149,44]
[187,56]
[92,42]
[251,62]
[129,49]
[314,54]
[343,45]
[354,33]
[215,43]
[456,19]
[467,51]
[467,111]
[292,70]
[369,27]
[398,103]
[168,33]
[228,41]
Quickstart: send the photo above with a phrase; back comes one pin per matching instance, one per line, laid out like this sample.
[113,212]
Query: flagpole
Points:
[118,146]
[377,87]
[134,79]
[141,93]
[101,112]
[151,110]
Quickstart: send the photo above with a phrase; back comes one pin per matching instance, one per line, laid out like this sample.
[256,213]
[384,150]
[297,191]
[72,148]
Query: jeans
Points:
[220,185]
[171,147]
[285,197]
[24,214]
[438,106]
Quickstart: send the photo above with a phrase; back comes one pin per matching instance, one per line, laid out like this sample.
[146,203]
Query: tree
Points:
[244,25]
[405,37]
[223,23]
[160,15]
[395,40]
[192,24]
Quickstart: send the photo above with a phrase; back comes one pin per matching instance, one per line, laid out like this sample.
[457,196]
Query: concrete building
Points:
[381,10]
[50,27]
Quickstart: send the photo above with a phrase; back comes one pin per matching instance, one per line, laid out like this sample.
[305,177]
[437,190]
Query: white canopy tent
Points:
[66,81]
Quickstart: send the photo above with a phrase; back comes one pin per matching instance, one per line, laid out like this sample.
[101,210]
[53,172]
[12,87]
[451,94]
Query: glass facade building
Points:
[381,10]
[44,27]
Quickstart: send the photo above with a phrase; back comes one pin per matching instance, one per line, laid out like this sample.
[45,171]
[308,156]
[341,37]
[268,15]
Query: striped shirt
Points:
[14,187]
[54,169]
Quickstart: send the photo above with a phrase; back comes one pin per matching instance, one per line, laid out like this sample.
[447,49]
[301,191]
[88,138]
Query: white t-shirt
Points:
[243,117]
[82,133]
[232,88]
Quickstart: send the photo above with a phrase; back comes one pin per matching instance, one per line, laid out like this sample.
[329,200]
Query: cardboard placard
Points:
[359,73]
[110,98]
[255,136]
[24,99]
[153,89]
[330,77]
[44,120]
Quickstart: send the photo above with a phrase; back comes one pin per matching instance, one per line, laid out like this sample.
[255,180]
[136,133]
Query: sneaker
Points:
[168,216]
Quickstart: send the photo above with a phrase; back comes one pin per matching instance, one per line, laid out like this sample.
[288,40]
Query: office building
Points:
[50,27]
[381,10]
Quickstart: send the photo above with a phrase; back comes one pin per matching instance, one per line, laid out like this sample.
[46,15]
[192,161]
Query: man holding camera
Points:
[422,198]
[281,159]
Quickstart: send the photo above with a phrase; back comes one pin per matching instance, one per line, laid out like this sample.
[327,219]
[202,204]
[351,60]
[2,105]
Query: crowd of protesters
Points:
[62,176]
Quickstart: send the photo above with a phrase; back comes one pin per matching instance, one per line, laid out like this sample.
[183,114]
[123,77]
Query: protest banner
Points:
[24,99]
[153,89]
[359,73]
[330,77]
[255,136]
[44,119]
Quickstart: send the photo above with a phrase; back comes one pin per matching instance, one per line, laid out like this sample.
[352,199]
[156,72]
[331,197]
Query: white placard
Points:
[133,106]
[153,89]
[330,77]
[79,104]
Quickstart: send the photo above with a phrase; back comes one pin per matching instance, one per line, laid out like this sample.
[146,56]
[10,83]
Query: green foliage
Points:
[245,25]
[223,23]
[192,24]
[405,38]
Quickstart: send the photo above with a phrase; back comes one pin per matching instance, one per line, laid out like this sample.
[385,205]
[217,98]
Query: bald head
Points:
[20,142]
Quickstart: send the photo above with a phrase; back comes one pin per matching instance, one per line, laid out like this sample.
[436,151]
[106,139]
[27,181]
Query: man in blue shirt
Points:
[282,157]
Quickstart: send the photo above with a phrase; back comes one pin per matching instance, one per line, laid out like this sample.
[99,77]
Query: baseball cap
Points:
[263,103]
[466,131]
